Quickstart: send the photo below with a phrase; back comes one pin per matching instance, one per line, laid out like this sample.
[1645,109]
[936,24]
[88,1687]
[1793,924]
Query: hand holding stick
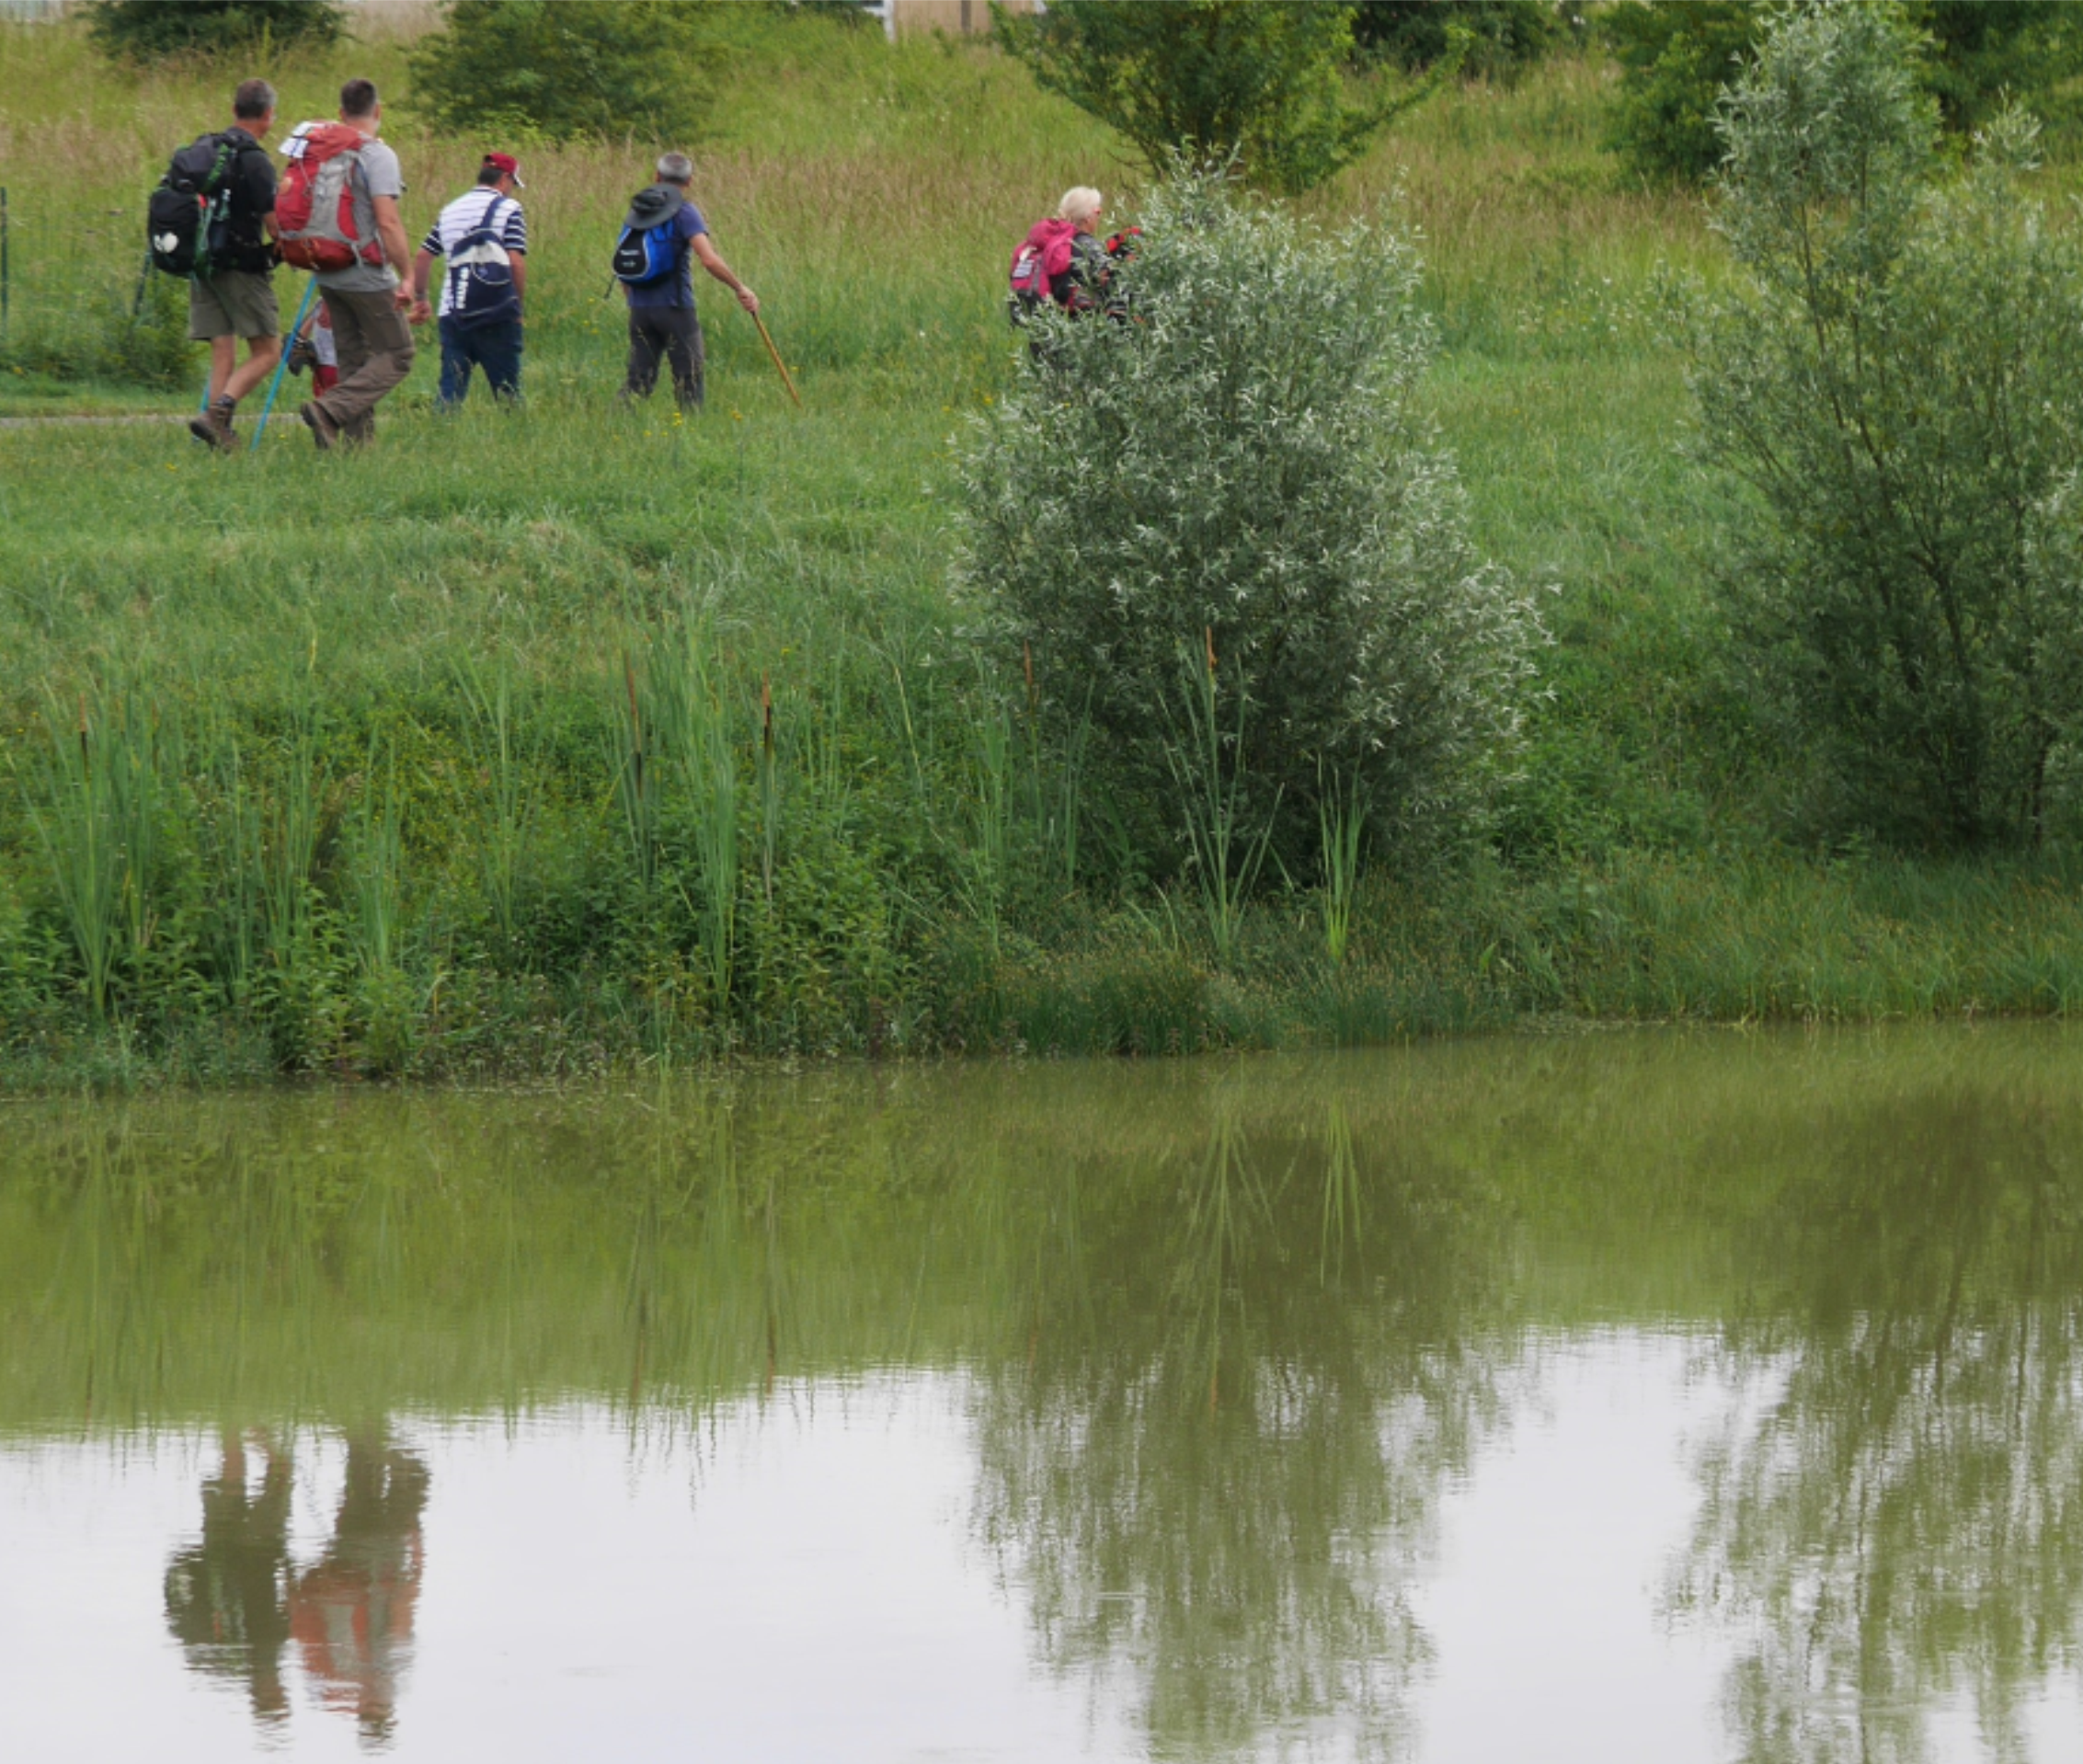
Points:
[780,366]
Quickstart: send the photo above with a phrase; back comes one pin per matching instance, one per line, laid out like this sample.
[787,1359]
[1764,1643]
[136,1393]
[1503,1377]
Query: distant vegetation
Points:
[146,30]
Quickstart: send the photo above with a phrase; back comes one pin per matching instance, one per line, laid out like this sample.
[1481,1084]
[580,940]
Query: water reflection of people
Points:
[228,1596]
[351,1610]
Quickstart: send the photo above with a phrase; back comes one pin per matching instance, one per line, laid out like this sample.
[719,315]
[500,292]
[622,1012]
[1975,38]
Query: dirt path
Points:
[47,422]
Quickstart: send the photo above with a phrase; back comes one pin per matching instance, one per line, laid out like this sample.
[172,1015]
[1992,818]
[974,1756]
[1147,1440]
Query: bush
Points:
[1898,376]
[1497,39]
[1216,80]
[554,71]
[1674,62]
[1245,466]
[146,30]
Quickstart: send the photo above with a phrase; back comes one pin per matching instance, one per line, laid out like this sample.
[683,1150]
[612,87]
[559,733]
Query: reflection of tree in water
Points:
[1901,1521]
[1213,1462]
[228,1596]
[235,1598]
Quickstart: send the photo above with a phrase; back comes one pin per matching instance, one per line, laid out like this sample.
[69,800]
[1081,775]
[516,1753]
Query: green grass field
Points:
[333,765]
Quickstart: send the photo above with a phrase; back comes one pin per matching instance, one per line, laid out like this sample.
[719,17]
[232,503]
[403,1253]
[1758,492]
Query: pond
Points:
[1660,1396]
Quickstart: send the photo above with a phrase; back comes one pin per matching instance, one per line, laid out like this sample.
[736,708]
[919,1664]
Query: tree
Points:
[1898,376]
[1215,80]
[145,29]
[1677,56]
[558,71]
[1238,492]
[1493,39]
[1674,62]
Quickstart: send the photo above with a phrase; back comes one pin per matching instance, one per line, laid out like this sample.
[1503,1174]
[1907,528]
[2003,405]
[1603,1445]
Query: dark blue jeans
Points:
[496,348]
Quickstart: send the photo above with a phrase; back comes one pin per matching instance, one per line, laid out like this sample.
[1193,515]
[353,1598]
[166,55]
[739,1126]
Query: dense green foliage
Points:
[1214,80]
[1677,56]
[1214,499]
[540,69]
[1493,38]
[1983,54]
[1674,60]
[142,31]
[1898,374]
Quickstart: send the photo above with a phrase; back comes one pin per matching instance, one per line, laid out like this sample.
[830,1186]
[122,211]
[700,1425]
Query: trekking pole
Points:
[143,276]
[281,367]
[780,366]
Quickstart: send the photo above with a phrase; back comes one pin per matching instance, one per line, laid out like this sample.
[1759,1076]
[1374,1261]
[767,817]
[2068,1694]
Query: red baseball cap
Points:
[507,163]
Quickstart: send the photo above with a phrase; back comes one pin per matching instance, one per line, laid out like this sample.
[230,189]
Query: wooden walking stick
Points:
[780,366]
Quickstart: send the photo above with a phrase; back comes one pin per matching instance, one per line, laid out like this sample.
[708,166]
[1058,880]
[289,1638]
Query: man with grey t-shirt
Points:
[366,304]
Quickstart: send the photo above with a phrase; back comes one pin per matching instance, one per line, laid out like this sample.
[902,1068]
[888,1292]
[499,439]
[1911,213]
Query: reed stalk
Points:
[1227,856]
[1341,821]
[506,769]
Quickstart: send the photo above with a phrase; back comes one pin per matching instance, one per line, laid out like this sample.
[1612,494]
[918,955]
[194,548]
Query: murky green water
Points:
[1644,1397]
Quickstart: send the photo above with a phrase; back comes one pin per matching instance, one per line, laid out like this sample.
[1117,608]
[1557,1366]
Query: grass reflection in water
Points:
[1228,1333]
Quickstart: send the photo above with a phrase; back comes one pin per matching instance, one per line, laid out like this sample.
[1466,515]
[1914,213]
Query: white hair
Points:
[1079,204]
[675,169]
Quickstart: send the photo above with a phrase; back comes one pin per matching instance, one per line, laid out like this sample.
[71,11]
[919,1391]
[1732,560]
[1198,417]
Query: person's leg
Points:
[455,364]
[374,344]
[497,348]
[250,298]
[643,354]
[261,354]
[685,348]
[223,364]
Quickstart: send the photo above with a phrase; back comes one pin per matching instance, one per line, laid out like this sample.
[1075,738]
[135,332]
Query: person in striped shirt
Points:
[482,235]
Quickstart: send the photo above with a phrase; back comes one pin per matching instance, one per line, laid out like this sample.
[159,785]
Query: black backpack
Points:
[187,221]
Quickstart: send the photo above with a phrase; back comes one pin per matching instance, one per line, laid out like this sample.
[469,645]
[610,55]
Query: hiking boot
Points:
[302,354]
[213,427]
[323,430]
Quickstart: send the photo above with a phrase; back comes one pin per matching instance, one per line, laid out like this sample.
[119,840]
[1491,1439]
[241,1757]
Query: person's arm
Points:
[721,271]
[397,248]
[519,260]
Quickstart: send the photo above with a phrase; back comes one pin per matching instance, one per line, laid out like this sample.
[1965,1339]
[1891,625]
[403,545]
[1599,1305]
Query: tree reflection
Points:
[1212,1461]
[1896,1514]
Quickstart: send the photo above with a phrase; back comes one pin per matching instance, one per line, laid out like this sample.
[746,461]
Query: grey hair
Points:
[254,98]
[675,169]
[1079,204]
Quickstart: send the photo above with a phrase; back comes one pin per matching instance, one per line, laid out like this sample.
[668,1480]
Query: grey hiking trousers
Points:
[375,349]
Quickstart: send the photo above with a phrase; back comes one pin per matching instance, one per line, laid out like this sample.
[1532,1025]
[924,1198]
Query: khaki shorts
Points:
[233,303]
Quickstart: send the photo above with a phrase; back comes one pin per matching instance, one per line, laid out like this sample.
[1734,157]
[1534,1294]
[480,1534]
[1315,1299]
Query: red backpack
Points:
[315,207]
[1043,255]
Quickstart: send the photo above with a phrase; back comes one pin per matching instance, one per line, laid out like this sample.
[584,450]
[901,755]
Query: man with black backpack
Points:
[662,231]
[210,221]
[484,237]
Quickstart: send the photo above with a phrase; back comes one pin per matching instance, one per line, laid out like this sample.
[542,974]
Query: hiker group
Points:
[223,219]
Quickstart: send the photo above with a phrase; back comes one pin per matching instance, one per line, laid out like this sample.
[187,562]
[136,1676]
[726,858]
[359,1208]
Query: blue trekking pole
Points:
[281,367]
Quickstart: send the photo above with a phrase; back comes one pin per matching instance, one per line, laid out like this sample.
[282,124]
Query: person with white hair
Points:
[1061,261]
[661,236]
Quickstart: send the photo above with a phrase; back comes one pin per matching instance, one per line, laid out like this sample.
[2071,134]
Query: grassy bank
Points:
[549,740]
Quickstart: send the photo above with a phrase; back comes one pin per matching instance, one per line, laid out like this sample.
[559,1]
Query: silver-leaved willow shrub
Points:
[1237,472]
[1896,374]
